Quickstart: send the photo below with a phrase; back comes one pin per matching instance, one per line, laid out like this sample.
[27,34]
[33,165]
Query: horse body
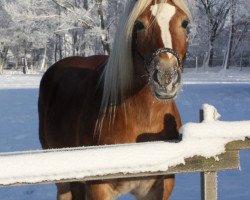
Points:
[99,100]
[74,90]
[65,90]
[69,104]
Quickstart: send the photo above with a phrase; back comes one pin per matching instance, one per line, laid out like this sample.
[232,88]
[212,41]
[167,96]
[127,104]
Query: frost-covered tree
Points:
[228,54]
[41,32]
[213,16]
[240,32]
[4,42]
[59,28]
[29,27]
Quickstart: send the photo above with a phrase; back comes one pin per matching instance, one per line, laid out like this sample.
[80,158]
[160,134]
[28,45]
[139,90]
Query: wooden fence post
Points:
[209,185]
[208,179]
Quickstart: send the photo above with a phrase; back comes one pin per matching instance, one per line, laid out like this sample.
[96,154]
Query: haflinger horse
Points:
[127,97]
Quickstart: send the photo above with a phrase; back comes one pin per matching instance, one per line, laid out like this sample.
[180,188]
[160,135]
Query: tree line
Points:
[37,33]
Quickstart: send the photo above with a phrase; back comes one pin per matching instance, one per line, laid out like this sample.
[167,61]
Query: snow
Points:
[215,130]
[19,81]
[217,75]
[125,159]
[210,113]
[18,128]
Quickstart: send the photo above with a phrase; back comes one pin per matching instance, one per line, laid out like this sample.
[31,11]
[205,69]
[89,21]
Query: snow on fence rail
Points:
[205,147]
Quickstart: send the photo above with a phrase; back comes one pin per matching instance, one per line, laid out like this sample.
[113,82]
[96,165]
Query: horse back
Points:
[90,62]
[67,88]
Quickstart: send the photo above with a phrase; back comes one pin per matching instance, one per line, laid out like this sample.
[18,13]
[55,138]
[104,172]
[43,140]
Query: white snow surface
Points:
[215,130]
[215,75]
[210,113]
[20,81]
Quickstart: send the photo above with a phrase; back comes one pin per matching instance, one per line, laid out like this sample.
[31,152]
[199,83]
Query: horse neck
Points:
[145,106]
[145,99]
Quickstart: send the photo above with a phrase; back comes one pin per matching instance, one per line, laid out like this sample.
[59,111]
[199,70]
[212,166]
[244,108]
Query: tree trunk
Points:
[241,60]
[211,49]
[44,61]
[239,39]
[3,58]
[85,4]
[1,66]
[25,65]
[228,50]
[55,53]
[60,47]
[75,47]
[104,37]
[211,57]
[206,60]
[228,57]
[16,62]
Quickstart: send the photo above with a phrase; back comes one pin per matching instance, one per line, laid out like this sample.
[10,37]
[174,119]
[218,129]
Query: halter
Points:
[148,61]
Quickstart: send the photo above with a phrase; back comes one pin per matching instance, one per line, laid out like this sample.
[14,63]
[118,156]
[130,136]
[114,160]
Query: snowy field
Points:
[18,127]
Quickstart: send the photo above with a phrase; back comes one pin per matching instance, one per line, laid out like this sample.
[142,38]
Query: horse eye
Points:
[185,24]
[139,25]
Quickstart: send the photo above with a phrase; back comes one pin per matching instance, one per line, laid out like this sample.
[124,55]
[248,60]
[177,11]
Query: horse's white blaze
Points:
[163,13]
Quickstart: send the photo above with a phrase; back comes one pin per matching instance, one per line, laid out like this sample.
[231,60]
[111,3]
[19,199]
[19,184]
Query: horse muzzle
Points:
[165,79]
[166,83]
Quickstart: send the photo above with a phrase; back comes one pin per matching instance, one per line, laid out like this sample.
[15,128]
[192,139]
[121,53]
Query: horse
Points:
[127,97]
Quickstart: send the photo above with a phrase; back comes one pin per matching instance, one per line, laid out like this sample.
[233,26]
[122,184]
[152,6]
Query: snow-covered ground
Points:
[18,127]
[15,80]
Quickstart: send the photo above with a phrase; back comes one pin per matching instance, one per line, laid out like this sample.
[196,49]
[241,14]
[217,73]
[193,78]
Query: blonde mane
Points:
[118,73]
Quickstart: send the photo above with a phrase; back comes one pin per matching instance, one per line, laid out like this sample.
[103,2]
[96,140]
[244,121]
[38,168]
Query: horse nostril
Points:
[156,76]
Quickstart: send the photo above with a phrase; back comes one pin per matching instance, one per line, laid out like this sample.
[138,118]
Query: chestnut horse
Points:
[125,98]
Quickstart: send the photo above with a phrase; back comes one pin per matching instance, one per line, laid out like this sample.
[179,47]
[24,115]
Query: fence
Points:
[32,170]
[196,62]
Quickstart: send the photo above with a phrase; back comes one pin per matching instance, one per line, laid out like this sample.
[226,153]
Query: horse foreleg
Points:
[78,190]
[100,191]
[63,191]
[168,186]
[160,190]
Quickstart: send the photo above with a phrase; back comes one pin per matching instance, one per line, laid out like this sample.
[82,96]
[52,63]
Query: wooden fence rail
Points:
[207,167]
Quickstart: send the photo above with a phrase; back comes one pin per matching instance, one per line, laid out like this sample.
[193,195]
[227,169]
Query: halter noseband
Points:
[148,61]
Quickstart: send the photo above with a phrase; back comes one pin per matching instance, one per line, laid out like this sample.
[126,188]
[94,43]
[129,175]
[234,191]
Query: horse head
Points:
[160,43]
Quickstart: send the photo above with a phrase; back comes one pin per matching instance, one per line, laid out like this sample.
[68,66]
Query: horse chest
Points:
[152,126]
[152,120]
